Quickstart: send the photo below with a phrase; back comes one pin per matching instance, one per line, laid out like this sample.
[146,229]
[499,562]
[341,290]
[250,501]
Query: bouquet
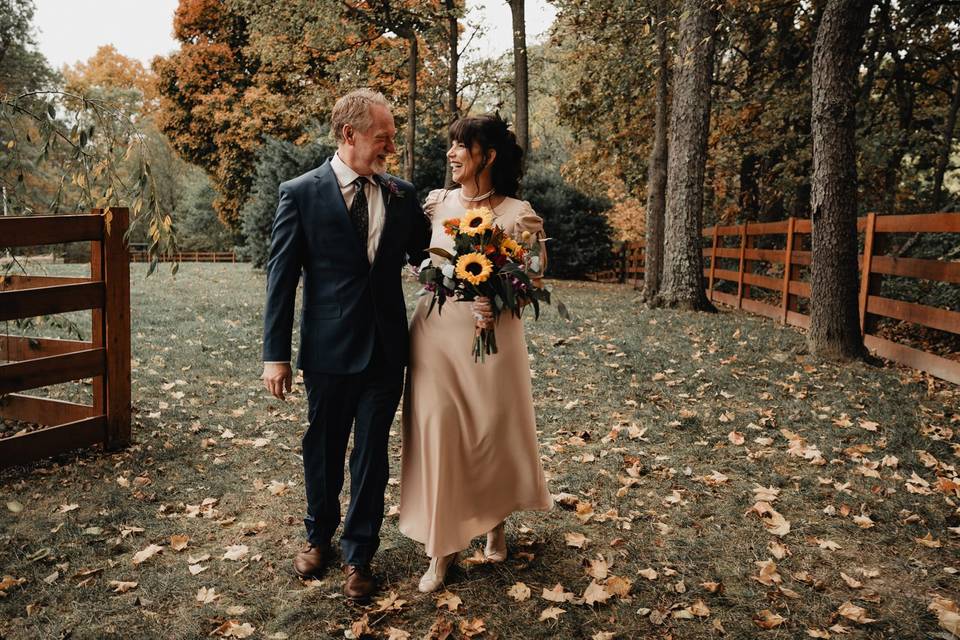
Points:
[486,262]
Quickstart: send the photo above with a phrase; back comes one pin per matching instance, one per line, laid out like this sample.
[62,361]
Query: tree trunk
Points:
[689,126]
[657,173]
[943,158]
[834,321]
[453,42]
[411,135]
[522,125]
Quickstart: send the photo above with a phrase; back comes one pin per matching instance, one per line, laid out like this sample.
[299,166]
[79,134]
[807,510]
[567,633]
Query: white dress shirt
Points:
[375,207]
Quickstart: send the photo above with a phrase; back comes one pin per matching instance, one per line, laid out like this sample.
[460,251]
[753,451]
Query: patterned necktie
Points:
[359,215]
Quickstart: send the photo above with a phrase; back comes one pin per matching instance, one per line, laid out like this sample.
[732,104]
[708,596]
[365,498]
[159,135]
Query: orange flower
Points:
[451,225]
[489,249]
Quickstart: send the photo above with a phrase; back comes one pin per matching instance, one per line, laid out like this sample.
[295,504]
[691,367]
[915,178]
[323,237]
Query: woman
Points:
[470,454]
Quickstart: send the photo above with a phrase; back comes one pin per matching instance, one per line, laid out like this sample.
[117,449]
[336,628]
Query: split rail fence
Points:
[31,363]
[188,256]
[784,297]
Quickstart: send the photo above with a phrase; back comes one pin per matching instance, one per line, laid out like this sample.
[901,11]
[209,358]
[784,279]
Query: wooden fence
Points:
[735,252]
[31,363]
[189,256]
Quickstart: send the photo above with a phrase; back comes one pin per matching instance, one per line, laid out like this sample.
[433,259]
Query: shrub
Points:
[580,235]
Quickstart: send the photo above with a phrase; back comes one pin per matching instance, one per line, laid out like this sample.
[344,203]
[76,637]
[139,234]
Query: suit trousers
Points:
[367,402]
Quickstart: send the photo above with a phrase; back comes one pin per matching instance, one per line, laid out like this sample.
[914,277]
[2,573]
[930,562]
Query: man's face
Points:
[369,149]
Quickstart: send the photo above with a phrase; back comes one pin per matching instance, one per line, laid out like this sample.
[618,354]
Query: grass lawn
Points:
[711,478]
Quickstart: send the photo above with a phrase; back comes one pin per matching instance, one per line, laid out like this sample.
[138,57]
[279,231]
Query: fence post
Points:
[865,267]
[787,265]
[116,329]
[96,324]
[713,261]
[624,253]
[743,249]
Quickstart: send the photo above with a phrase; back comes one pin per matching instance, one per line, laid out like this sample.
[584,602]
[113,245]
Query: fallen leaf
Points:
[598,568]
[390,603]
[145,554]
[700,609]
[196,569]
[557,594]
[397,634]
[767,619]
[618,586]
[735,437]
[361,627]
[928,541]
[233,629]
[817,633]
[576,540]
[179,543]
[14,506]
[711,587]
[206,596]
[767,573]
[551,613]
[595,593]
[851,582]
[851,611]
[777,550]
[519,592]
[649,574]
[948,615]
[120,586]
[235,552]
[9,582]
[449,600]
[471,628]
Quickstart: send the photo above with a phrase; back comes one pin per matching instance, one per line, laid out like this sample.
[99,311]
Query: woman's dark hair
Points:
[491,131]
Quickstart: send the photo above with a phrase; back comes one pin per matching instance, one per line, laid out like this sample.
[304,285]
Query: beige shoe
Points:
[496,550]
[436,572]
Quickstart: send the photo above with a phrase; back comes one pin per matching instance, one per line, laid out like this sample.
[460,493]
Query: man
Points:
[347,227]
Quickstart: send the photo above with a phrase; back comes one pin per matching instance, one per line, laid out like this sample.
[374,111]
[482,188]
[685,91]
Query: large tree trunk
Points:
[834,321]
[943,157]
[522,124]
[411,134]
[453,107]
[657,173]
[689,126]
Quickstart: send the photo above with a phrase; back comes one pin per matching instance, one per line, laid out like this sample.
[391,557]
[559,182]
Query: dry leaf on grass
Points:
[206,596]
[576,540]
[397,634]
[772,520]
[557,594]
[851,611]
[767,573]
[767,619]
[851,582]
[818,633]
[519,592]
[618,586]
[145,554]
[235,552]
[471,628]
[9,582]
[595,593]
[700,609]
[179,543]
[928,541]
[449,600]
[439,630]
[649,573]
[120,586]
[233,629]
[598,568]
[948,615]
[551,613]
[361,627]
[735,437]
[390,603]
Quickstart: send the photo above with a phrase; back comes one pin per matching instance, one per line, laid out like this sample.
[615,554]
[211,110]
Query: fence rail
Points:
[30,363]
[783,296]
[189,256]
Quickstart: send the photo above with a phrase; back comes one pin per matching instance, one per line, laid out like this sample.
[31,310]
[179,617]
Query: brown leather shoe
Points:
[360,583]
[313,560]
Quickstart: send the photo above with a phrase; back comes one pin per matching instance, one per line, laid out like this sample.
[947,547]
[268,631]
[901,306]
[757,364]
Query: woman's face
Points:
[464,162]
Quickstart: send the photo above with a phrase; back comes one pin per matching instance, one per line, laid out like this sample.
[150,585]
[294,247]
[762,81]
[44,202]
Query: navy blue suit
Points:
[353,342]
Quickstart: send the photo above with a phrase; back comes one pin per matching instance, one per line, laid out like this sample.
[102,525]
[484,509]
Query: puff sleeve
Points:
[529,221]
[430,204]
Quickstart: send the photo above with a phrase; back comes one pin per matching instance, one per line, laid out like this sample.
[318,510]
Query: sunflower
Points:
[474,268]
[476,221]
[510,248]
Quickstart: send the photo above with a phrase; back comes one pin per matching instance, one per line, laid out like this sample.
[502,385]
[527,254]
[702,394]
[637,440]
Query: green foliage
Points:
[198,226]
[278,161]
[578,231]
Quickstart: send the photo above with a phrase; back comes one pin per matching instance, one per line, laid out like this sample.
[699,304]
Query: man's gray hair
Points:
[354,109]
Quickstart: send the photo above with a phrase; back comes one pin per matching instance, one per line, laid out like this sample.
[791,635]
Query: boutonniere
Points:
[393,189]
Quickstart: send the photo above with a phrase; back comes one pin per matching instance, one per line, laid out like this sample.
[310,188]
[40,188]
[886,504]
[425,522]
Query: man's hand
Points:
[277,377]
[482,312]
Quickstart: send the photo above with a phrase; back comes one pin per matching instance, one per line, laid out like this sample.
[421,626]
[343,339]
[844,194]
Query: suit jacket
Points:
[347,301]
